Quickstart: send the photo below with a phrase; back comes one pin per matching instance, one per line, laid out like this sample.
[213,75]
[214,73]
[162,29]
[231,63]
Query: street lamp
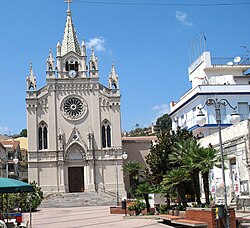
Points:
[15,161]
[235,118]
[124,157]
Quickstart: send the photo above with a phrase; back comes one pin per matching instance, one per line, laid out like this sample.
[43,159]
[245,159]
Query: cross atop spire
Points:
[68,1]
[70,41]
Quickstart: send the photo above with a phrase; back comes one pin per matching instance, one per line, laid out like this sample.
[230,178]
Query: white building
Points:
[216,79]
[236,145]
[73,122]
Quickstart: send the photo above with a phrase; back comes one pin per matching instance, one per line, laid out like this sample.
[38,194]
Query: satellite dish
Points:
[237,59]
[230,63]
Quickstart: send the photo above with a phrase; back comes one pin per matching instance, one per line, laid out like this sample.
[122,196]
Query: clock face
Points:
[72,73]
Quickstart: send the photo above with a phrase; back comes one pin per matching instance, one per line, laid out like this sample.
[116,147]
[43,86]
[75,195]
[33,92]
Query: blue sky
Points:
[148,44]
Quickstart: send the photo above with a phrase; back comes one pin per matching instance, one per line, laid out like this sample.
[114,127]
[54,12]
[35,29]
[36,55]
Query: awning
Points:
[8,185]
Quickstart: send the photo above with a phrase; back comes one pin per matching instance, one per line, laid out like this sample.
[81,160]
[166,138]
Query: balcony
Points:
[230,61]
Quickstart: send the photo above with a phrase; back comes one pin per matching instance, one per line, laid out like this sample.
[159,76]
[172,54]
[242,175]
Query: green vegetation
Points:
[137,206]
[25,201]
[172,168]
[23,133]
[132,169]
[144,189]
[163,124]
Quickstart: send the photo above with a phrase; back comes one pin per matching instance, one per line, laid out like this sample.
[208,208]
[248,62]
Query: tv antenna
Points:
[230,63]
[237,59]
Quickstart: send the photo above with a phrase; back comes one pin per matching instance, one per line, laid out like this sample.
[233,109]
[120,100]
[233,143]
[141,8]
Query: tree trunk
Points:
[168,200]
[196,186]
[205,177]
[181,193]
[147,202]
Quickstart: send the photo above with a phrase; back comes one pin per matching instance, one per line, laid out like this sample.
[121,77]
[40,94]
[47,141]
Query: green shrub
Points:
[164,208]
[32,199]
[137,206]
[24,200]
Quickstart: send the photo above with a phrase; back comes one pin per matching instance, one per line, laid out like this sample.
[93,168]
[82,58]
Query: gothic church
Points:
[74,122]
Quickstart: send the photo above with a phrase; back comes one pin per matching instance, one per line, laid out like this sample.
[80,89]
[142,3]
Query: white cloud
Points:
[4,130]
[160,111]
[183,17]
[98,43]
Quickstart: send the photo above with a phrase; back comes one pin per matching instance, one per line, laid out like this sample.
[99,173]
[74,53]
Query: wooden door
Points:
[76,179]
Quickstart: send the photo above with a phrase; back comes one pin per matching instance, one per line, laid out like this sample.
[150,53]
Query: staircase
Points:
[84,199]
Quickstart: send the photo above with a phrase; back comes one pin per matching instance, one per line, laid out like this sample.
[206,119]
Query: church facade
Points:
[74,123]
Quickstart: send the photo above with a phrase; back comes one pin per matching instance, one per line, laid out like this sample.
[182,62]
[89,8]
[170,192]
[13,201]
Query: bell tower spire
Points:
[31,80]
[70,41]
[113,78]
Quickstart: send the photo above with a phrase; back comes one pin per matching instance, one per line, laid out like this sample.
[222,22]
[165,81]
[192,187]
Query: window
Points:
[243,110]
[42,136]
[106,134]
[103,137]
[244,188]
[223,114]
[45,138]
[71,65]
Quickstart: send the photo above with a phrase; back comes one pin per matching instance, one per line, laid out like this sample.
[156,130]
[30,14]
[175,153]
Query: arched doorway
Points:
[75,156]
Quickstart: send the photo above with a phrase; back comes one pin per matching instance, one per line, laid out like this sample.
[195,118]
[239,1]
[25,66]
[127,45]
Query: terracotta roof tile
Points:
[15,144]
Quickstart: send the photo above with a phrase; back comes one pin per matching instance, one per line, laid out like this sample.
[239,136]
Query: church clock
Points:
[72,73]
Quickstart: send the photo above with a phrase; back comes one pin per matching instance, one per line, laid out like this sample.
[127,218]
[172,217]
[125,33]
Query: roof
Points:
[1,145]
[70,41]
[139,139]
[12,143]
[23,142]
[4,137]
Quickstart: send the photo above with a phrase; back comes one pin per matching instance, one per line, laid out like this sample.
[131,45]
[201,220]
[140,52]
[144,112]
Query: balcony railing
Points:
[227,61]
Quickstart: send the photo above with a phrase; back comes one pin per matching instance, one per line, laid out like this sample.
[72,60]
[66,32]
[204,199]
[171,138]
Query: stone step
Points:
[61,200]
[245,225]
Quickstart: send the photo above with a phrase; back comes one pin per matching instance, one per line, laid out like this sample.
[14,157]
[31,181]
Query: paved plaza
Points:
[86,217]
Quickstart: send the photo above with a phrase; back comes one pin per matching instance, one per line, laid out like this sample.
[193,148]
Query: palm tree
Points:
[201,160]
[132,169]
[206,159]
[181,157]
[175,180]
[145,189]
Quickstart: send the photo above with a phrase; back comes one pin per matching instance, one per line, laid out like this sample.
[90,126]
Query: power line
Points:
[161,4]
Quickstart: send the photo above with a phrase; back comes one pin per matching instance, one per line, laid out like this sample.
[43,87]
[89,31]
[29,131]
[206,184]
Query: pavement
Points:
[75,210]
[76,217]
[94,216]
[244,215]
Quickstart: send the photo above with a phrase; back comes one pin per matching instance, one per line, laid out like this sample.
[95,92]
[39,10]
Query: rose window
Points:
[74,108]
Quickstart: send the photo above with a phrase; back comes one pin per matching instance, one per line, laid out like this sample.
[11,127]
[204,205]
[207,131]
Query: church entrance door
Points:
[76,179]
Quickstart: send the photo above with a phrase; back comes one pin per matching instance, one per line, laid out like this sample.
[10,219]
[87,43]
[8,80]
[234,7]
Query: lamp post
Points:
[15,161]
[235,118]
[124,157]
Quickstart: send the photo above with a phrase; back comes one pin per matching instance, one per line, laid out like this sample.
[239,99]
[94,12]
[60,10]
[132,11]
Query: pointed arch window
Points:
[106,134]
[45,138]
[103,137]
[71,65]
[31,87]
[42,136]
